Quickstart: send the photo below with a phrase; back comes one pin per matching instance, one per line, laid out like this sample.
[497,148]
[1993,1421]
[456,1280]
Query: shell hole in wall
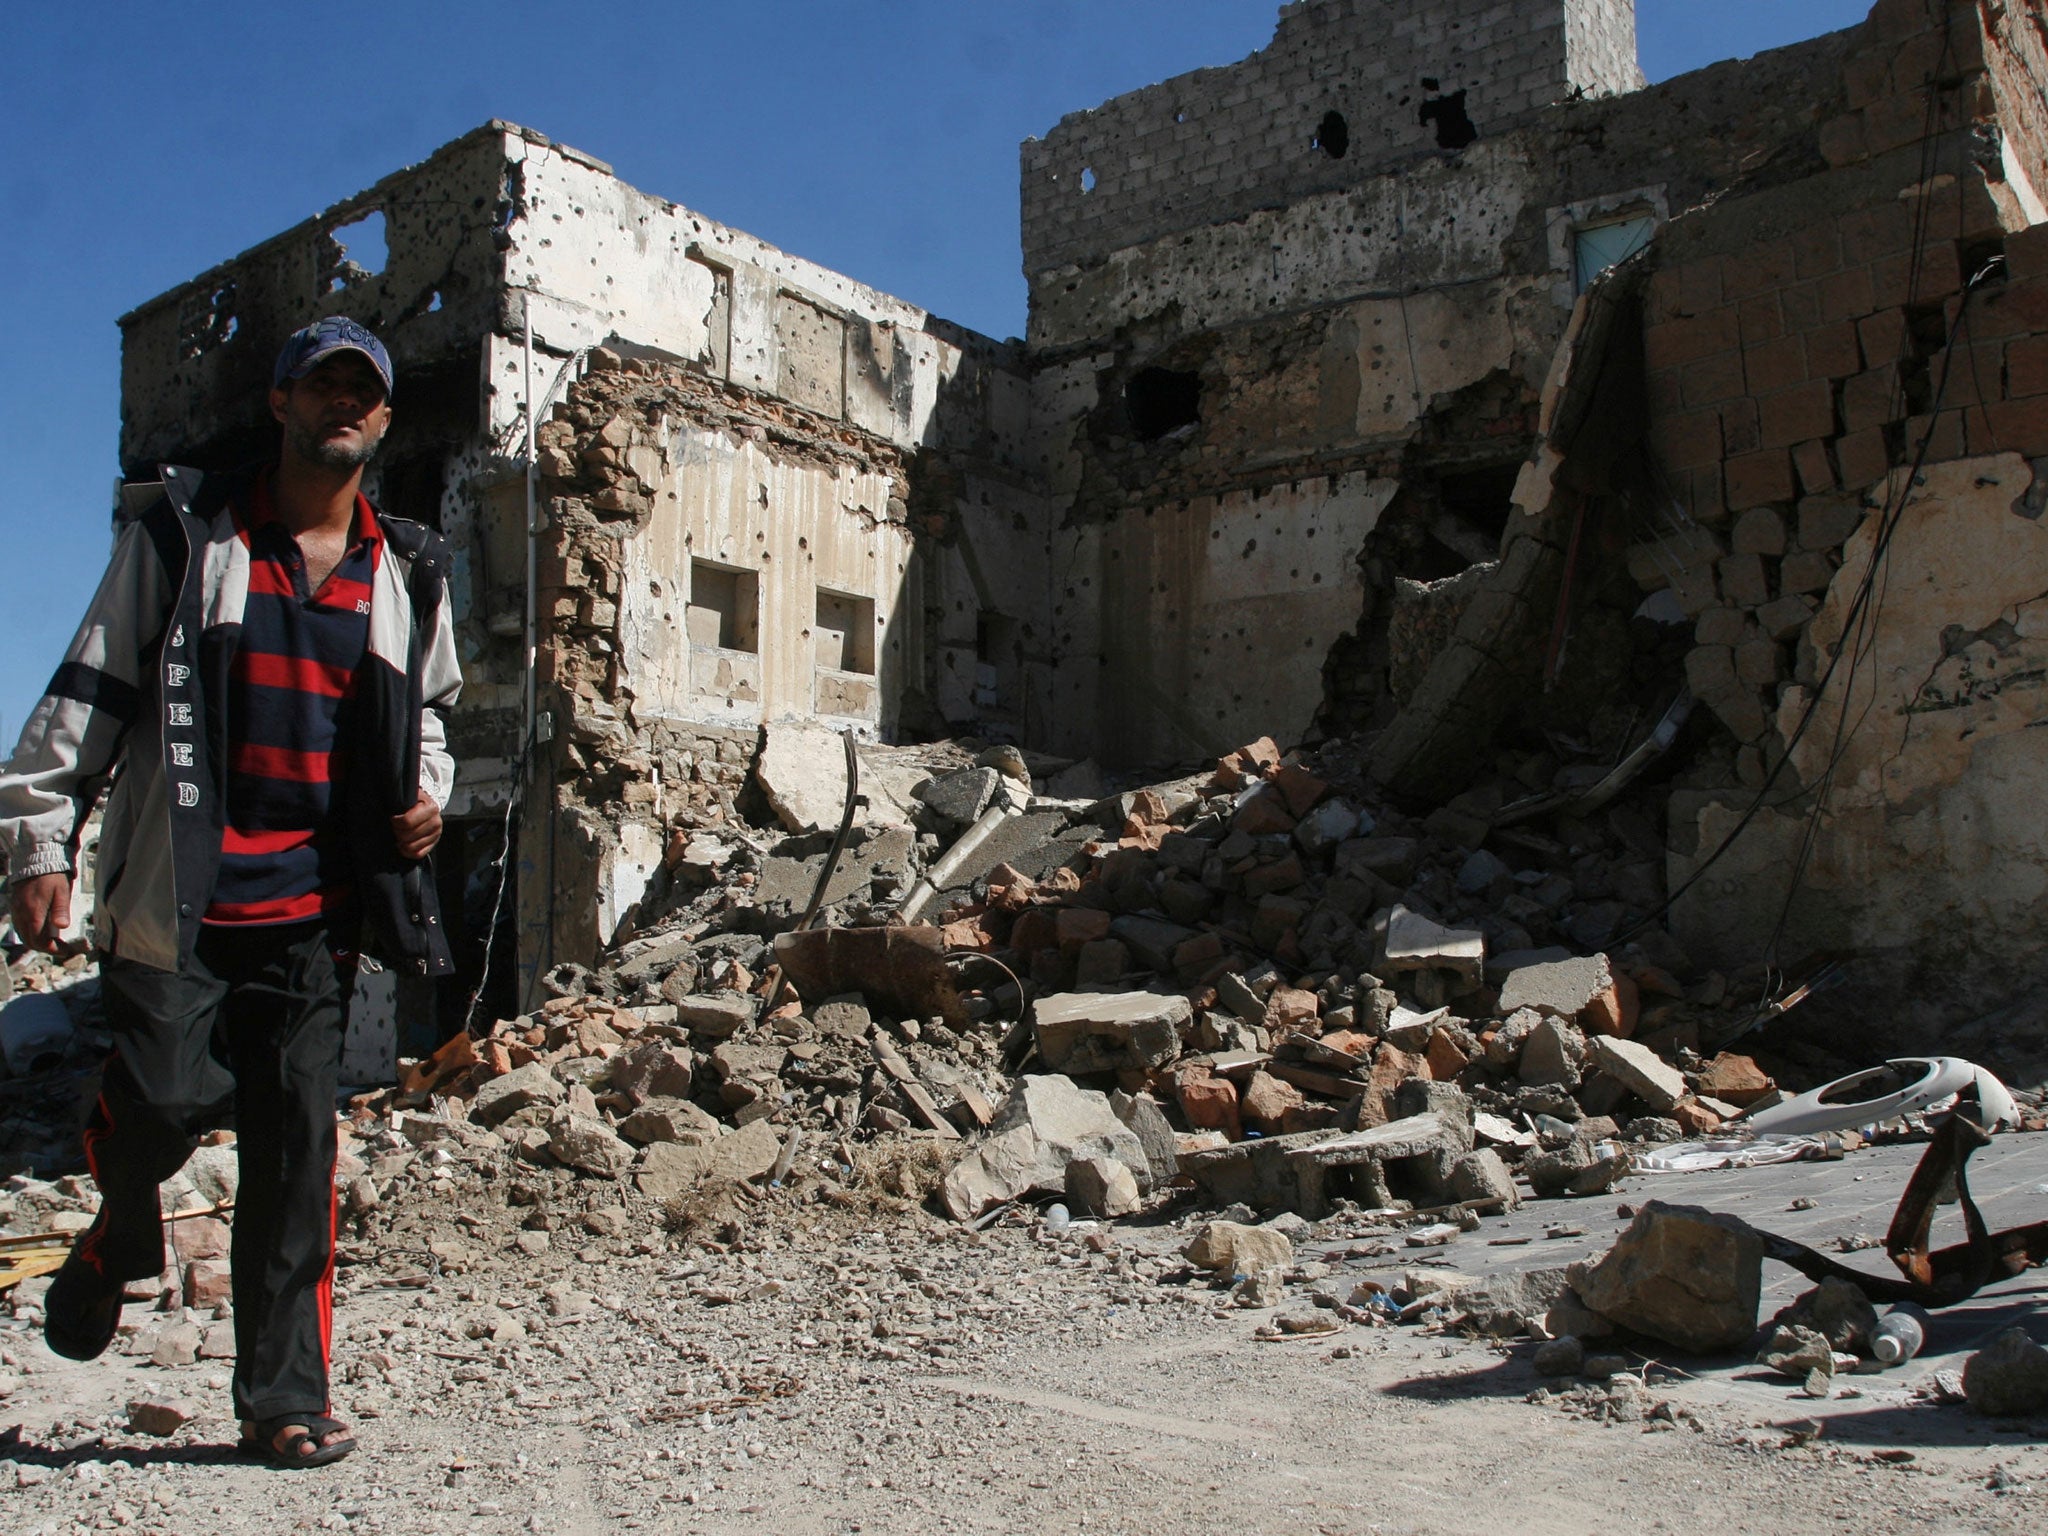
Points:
[359,250]
[1454,128]
[1162,401]
[208,320]
[1087,178]
[1333,135]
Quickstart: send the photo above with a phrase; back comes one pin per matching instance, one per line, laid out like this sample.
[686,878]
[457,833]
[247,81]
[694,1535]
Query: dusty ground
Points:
[804,1366]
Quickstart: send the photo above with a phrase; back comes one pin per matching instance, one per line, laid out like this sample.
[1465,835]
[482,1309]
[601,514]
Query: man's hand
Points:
[418,829]
[41,907]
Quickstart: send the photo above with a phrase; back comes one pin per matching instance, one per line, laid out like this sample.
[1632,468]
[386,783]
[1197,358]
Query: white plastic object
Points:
[35,1028]
[1900,1334]
[1902,1086]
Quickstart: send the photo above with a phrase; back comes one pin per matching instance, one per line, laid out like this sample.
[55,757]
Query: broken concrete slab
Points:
[1684,1275]
[1092,1032]
[1261,1173]
[960,797]
[1559,988]
[1415,943]
[1044,1124]
[802,771]
[717,1015]
[1640,1069]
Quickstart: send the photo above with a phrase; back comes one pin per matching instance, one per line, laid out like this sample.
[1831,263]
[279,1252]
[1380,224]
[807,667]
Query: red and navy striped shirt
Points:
[282,859]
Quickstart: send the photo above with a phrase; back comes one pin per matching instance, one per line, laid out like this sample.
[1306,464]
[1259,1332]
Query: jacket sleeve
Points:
[441,685]
[72,737]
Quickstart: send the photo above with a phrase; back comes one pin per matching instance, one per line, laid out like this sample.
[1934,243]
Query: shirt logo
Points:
[181,714]
[188,794]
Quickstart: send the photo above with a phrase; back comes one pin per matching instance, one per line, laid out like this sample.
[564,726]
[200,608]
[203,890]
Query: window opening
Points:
[1601,246]
[1333,135]
[1162,401]
[844,633]
[724,611]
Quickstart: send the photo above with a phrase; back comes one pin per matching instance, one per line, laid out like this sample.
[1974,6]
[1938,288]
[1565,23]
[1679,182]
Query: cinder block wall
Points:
[1217,143]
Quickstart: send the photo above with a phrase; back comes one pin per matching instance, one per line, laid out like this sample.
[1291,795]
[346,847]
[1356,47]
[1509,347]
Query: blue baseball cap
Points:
[322,339]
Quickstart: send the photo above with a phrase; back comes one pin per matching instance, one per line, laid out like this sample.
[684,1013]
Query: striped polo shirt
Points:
[283,859]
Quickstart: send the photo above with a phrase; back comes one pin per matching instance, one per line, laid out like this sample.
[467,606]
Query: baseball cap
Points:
[322,339]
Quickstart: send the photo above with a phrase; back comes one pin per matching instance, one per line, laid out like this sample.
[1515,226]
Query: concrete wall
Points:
[1403,76]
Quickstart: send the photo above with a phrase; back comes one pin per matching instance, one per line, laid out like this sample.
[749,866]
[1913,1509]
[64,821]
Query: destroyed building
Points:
[1425,377]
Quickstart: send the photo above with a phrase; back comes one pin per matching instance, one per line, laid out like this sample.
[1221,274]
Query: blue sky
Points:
[147,141]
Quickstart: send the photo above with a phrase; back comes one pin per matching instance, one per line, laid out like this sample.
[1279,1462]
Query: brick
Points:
[1757,662]
[1872,399]
[1759,270]
[1833,351]
[1882,229]
[1864,458]
[1664,391]
[1944,436]
[1816,251]
[1882,338]
[1759,319]
[1713,379]
[1892,122]
[1806,571]
[1682,341]
[2019,426]
[1866,76]
[1842,141]
[1699,285]
[1705,496]
[2026,252]
[1721,625]
[1773,365]
[1687,440]
[1972,374]
[1743,580]
[1661,297]
[2021,308]
[1901,279]
[1825,522]
[1797,414]
[1800,305]
[1739,431]
[1846,295]
[1759,531]
[1756,478]
[2026,366]
[1816,471]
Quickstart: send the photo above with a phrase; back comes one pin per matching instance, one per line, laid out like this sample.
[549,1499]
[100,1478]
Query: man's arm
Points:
[419,829]
[71,739]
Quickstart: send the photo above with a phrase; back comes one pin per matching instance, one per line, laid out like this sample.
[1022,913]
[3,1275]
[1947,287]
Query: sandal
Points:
[81,1311]
[313,1428]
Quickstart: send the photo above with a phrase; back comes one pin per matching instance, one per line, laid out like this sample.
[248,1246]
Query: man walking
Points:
[260,675]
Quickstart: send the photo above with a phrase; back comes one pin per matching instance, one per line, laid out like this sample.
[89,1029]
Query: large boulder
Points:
[1045,1123]
[1684,1275]
[1085,1032]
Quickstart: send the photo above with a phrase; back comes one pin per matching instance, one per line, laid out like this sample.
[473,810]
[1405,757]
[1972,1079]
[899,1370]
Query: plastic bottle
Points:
[1900,1333]
[1056,1218]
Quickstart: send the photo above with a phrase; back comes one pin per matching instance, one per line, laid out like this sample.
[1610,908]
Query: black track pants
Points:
[258,1018]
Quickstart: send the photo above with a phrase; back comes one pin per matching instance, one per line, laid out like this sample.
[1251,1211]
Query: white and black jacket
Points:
[141,691]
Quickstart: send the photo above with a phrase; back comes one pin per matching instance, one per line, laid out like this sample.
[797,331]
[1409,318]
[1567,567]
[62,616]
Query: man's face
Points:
[336,415]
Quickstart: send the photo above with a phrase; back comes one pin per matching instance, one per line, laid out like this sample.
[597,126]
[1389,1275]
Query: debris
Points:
[1904,1085]
[2008,1376]
[1083,1032]
[1233,1248]
[161,1416]
[1103,1187]
[1044,1124]
[1687,1276]
[1837,1311]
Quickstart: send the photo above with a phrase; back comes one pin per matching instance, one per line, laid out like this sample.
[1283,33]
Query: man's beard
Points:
[334,454]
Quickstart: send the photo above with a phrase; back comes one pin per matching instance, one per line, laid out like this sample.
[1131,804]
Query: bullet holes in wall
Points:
[1162,401]
[1333,135]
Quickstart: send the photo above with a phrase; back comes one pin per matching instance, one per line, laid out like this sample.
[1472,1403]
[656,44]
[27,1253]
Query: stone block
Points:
[716,1015]
[589,1146]
[1687,1276]
[1091,1032]
[1233,1248]
[960,797]
[505,1096]
[671,1168]
[2008,1377]
[1102,1186]
[1759,531]
[1560,988]
[1148,1122]
[1415,943]
[1640,1069]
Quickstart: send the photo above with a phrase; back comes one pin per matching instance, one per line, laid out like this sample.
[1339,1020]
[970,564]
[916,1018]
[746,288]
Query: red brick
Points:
[1712,380]
[1882,337]
[1757,271]
[1841,139]
[1688,440]
[1864,458]
[2019,426]
[1739,432]
[2026,252]
[1816,251]
[2026,366]
[1757,478]
[1774,365]
[1797,414]
[1871,399]
[1759,319]
[1846,295]
[1833,351]
[1815,469]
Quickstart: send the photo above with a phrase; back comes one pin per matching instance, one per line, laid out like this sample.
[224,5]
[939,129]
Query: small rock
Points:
[2009,1376]
[176,1345]
[161,1416]
[589,1145]
[1560,1357]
